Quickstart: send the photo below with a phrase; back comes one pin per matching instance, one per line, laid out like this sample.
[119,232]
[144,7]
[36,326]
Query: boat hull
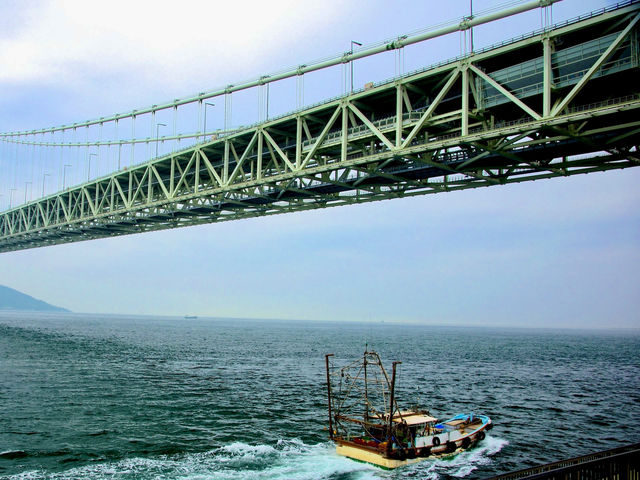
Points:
[372,457]
[446,443]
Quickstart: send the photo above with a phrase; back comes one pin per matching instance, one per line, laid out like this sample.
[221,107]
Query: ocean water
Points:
[86,397]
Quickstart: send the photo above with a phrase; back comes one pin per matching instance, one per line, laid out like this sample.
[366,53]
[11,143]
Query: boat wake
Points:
[460,465]
[288,459]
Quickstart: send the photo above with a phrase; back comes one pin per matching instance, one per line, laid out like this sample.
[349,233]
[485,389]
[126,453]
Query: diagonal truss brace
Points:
[504,91]
[322,137]
[452,78]
[282,155]
[371,126]
[603,58]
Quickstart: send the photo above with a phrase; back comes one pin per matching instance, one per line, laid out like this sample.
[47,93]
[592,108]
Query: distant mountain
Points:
[11,299]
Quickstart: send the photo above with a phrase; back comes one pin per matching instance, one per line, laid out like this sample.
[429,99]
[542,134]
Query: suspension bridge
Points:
[560,101]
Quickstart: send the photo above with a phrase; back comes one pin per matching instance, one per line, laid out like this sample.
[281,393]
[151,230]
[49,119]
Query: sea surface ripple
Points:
[88,397]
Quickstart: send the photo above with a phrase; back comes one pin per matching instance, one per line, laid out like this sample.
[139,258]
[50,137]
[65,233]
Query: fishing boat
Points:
[367,425]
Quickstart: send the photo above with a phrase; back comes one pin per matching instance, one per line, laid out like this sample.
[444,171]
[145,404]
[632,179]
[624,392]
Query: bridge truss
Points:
[556,103]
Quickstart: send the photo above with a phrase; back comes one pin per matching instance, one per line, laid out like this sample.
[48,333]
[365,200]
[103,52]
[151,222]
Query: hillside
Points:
[11,299]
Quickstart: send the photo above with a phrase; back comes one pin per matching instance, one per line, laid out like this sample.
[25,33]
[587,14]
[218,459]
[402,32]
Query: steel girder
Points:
[537,108]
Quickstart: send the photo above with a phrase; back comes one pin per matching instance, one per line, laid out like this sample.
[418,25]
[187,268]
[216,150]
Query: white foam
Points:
[288,459]
[464,463]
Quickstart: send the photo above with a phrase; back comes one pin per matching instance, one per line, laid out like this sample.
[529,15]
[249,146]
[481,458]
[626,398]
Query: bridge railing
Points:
[622,463]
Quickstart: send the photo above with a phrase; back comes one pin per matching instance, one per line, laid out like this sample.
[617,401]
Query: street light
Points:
[64,175]
[158,125]
[206,104]
[11,190]
[44,176]
[353,42]
[89,164]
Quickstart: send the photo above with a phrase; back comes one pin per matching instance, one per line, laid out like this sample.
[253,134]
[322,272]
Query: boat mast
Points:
[391,409]
[366,391]
[326,357]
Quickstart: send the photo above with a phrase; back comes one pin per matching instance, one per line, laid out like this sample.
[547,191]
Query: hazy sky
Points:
[562,252]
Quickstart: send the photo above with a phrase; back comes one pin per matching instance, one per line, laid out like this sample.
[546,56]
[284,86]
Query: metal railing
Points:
[622,463]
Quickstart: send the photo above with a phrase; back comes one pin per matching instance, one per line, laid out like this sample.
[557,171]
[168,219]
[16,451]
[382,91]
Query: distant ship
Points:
[190,317]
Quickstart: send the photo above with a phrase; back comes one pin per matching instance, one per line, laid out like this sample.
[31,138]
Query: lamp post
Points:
[158,125]
[206,104]
[353,42]
[11,195]
[64,175]
[44,176]
[89,164]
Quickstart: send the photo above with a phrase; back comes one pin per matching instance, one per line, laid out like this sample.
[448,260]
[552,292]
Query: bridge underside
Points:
[556,104]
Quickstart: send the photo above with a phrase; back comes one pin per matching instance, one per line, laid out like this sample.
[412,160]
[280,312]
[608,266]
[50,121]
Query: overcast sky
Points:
[562,252]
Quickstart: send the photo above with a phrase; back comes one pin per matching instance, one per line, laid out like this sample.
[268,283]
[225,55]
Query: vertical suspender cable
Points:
[60,167]
[175,126]
[199,130]
[133,136]
[119,144]
[152,134]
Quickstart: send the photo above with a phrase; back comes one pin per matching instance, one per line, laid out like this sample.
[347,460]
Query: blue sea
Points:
[88,397]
